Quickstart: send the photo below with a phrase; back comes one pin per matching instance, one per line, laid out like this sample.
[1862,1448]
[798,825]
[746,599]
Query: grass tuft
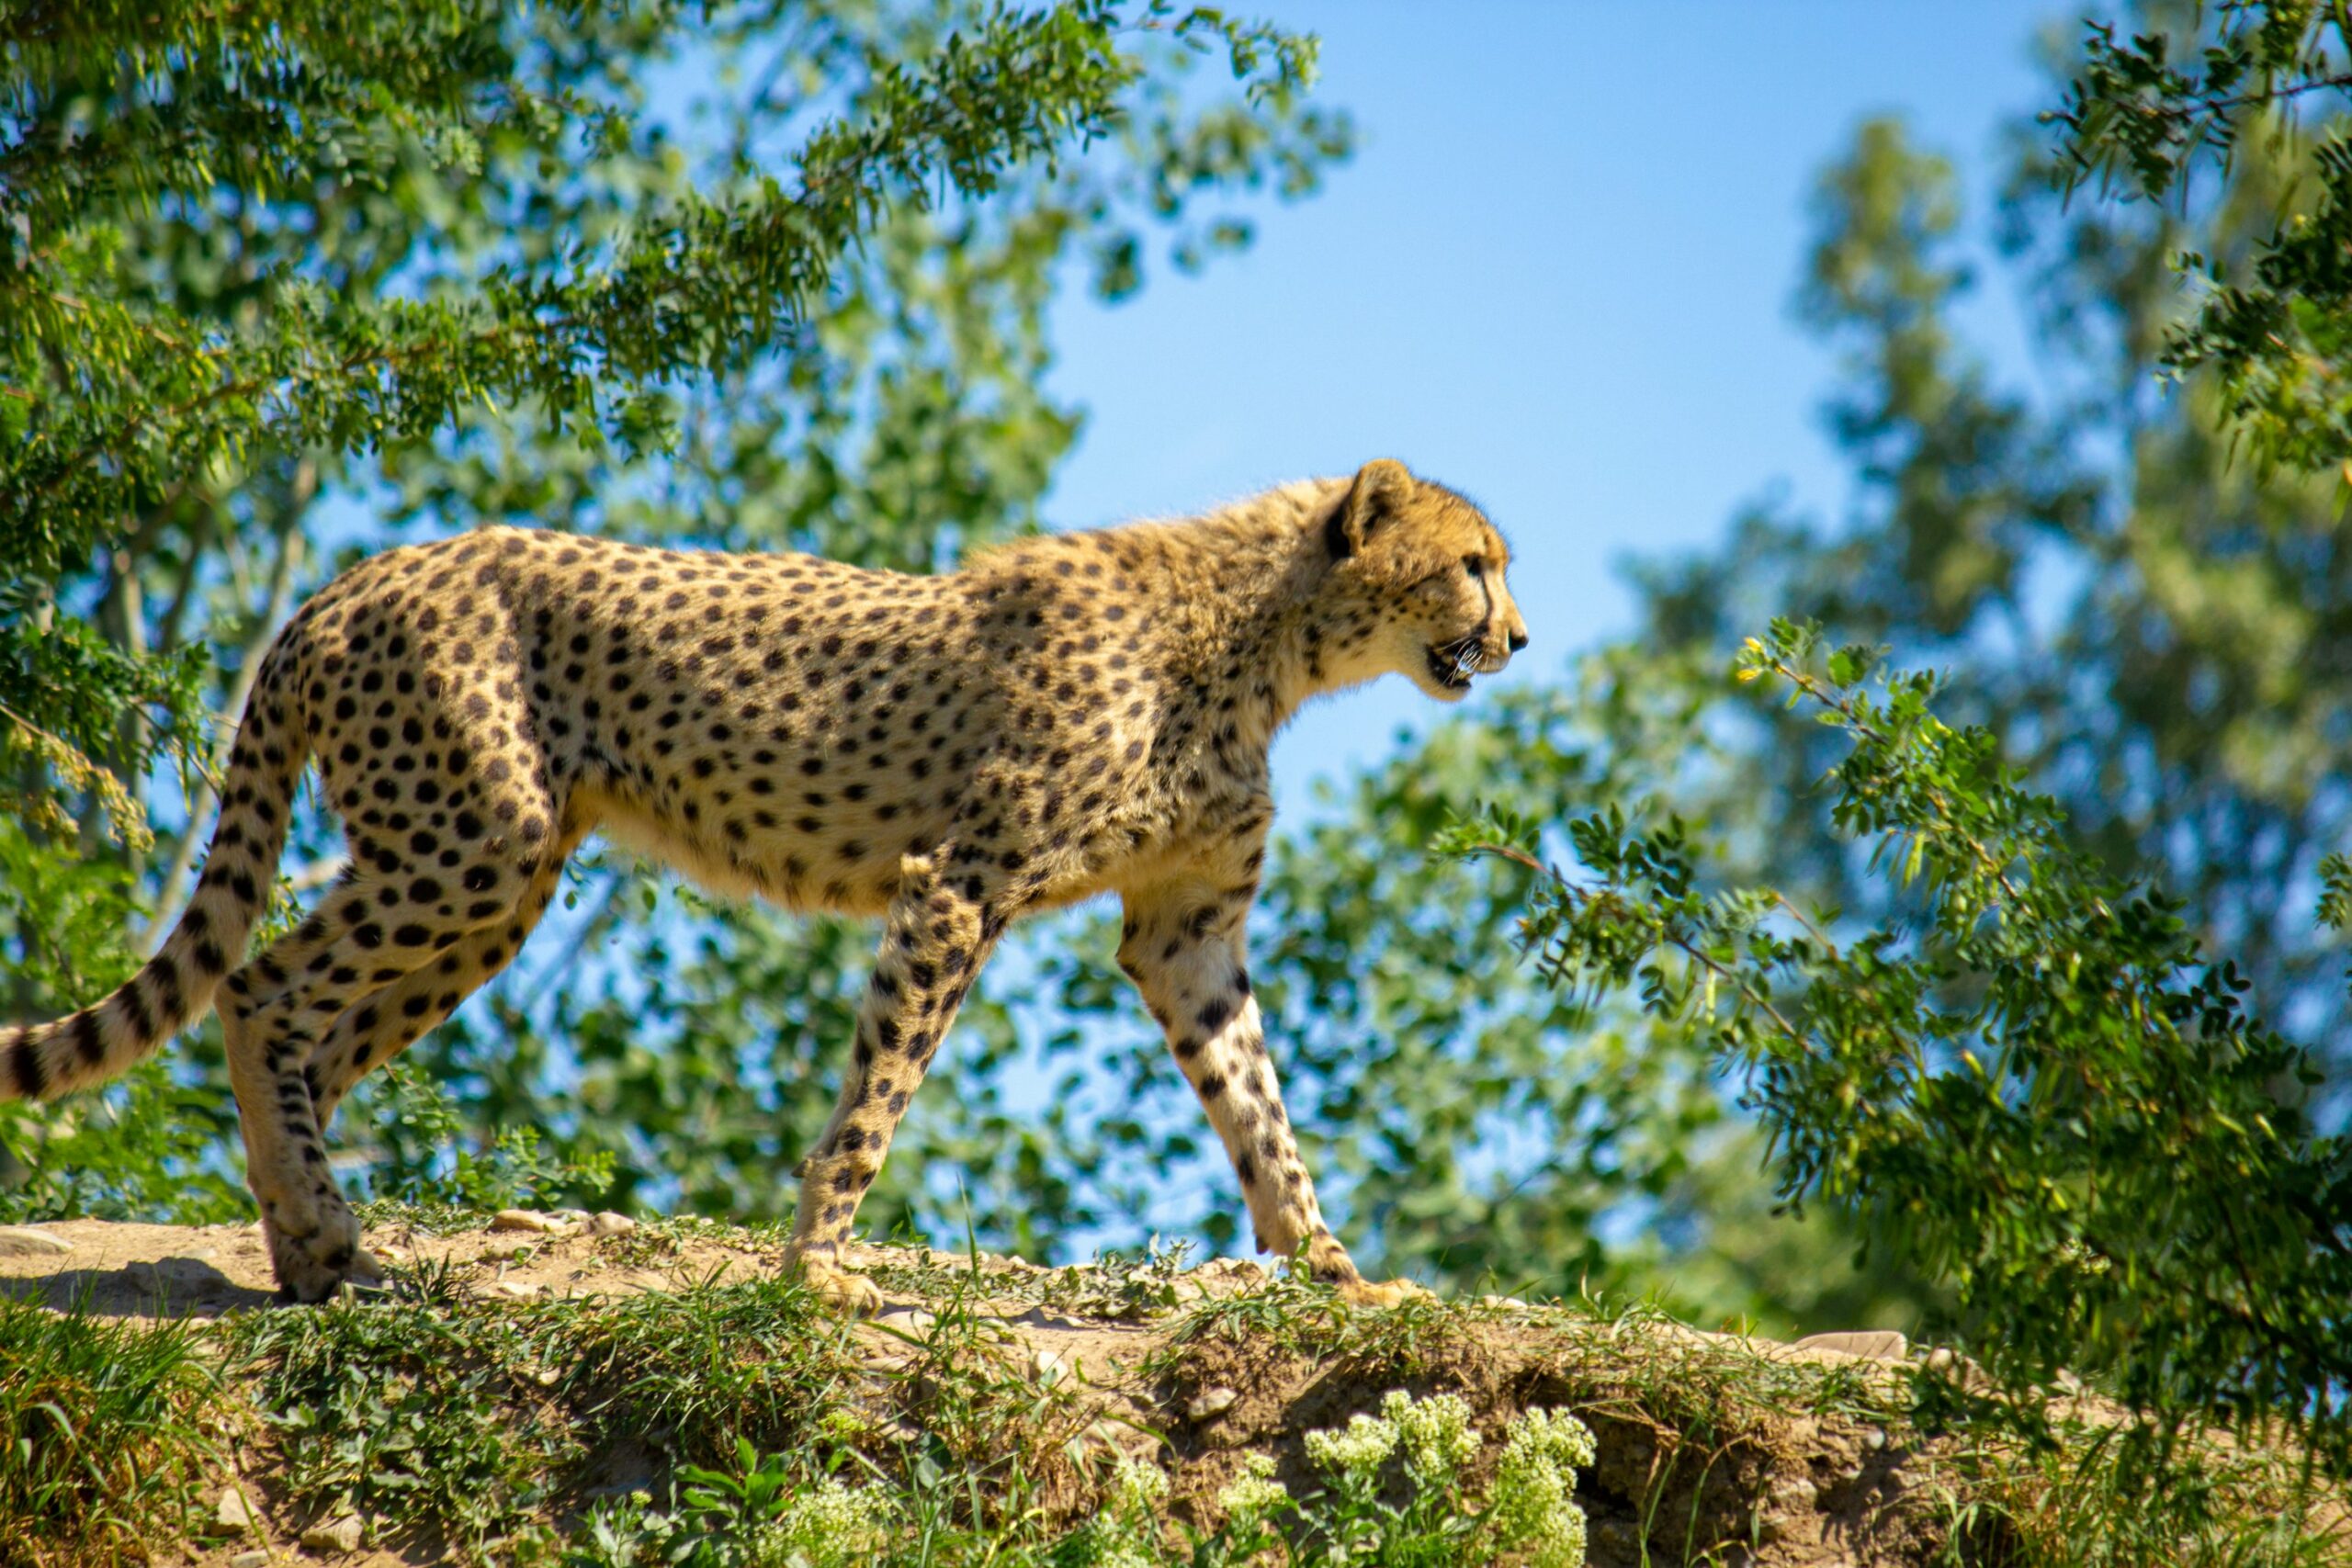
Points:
[102,1435]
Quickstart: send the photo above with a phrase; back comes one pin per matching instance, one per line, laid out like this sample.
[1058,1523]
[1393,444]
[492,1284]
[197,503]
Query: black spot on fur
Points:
[24,1066]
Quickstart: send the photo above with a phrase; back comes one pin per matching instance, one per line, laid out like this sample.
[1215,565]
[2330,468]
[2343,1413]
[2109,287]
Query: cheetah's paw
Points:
[843,1290]
[315,1267]
[1382,1293]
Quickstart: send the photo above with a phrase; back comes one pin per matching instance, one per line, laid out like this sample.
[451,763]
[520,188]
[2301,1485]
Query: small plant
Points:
[1360,1515]
[427,1417]
[422,1157]
[1127,1533]
[770,1516]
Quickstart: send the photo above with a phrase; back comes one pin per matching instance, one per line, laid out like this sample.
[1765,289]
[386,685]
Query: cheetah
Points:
[1065,716]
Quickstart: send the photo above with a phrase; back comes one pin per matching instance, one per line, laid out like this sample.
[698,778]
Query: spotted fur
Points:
[1064,716]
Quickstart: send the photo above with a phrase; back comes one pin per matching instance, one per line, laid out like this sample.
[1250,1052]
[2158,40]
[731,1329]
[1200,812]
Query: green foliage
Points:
[2153,631]
[412,1417]
[450,1418]
[761,1514]
[422,1157]
[2035,1080]
[767,1512]
[2274,325]
[102,1432]
[147,1146]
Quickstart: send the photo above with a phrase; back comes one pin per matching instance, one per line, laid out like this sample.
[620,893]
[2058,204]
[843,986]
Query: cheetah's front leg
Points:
[1183,946]
[936,937]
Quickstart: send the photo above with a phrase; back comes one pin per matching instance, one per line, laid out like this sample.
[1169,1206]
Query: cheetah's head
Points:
[1415,585]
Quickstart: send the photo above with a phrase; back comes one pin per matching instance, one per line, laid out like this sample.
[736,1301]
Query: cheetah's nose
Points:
[1518,641]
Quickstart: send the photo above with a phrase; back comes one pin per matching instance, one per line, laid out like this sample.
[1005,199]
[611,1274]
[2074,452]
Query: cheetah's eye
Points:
[1474,565]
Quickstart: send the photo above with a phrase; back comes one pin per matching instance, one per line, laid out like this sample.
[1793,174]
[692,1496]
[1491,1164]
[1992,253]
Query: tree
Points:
[289,282]
[2032,1076]
[2272,316]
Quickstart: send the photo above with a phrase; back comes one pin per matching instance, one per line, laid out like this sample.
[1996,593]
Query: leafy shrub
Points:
[2035,1085]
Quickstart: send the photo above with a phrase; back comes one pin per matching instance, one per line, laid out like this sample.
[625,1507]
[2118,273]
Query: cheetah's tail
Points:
[172,989]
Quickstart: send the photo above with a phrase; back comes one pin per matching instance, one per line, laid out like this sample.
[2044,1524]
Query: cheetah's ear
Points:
[1381,487]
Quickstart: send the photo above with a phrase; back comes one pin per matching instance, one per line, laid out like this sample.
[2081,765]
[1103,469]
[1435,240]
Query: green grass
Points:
[2117,1496]
[103,1433]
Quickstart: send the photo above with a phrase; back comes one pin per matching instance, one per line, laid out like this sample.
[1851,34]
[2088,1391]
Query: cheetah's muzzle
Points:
[1453,664]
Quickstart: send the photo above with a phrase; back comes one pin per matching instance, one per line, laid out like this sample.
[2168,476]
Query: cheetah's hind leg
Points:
[357,943]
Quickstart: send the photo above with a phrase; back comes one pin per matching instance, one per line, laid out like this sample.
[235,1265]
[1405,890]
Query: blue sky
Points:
[1556,276]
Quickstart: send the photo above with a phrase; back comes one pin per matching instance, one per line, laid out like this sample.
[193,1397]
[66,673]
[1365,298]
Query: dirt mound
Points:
[595,1356]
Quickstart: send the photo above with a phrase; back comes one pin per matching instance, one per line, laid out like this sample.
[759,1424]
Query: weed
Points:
[2110,1495]
[422,1157]
[766,1515]
[102,1433]
[433,1418]
[693,1373]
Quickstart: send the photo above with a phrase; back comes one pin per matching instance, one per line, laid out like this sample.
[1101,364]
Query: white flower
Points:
[826,1526]
[1436,1433]
[1556,1435]
[1135,1485]
[1118,1550]
[1254,1494]
[1357,1450]
[1533,1503]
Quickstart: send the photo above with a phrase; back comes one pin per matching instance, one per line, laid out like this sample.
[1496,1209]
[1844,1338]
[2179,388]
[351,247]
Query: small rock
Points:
[249,1559]
[523,1219]
[166,1274]
[1047,1367]
[21,1241]
[915,1320]
[1874,1437]
[1797,1495]
[521,1290]
[1960,1369]
[1882,1345]
[1210,1403]
[333,1534]
[610,1223]
[232,1515]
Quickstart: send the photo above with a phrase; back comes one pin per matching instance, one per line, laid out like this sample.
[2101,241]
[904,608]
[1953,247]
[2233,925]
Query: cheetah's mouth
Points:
[1453,663]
